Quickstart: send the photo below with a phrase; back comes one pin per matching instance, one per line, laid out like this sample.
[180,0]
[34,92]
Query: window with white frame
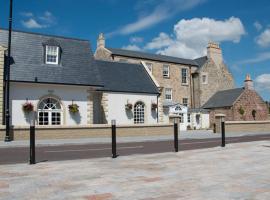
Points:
[204,78]
[185,102]
[184,72]
[168,94]
[149,66]
[139,108]
[166,71]
[52,55]
[181,118]
[188,118]
[49,112]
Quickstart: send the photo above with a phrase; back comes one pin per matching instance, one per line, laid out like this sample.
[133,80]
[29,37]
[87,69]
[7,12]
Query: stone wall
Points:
[180,90]
[248,126]
[219,78]
[76,132]
[249,101]
[2,58]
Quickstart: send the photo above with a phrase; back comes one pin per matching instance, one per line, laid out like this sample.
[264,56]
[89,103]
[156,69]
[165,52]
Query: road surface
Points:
[85,151]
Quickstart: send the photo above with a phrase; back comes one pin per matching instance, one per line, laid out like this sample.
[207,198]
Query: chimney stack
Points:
[101,41]
[214,53]
[249,83]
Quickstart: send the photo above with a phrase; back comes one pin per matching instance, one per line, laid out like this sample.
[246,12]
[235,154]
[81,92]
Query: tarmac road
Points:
[85,151]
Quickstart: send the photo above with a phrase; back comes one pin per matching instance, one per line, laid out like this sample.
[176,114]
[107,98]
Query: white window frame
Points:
[47,53]
[185,103]
[182,77]
[50,112]
[206,78]
[166,73]
[149,66]
[189,118]
[139,113]
[168,93]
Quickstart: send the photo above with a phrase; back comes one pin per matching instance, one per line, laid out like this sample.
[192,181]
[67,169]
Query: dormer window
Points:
[52,55]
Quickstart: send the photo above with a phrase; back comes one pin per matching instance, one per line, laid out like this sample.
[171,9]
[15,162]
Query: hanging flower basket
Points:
[128,106]
[27,107]
[154,106]
[73,108]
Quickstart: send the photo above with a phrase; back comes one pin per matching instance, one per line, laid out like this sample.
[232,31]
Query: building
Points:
[181,81]
[56,81]
[239,104]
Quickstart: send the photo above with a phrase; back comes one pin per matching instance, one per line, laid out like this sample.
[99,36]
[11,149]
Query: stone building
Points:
[239,104]
[212,75]
[180,81]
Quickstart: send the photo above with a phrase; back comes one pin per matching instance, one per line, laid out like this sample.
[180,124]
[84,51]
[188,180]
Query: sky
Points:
[179,28]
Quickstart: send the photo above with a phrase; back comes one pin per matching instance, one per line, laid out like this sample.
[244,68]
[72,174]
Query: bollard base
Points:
[115,156]
[7,139]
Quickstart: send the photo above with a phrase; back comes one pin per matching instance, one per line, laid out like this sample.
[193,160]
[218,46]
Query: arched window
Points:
[49,112]
[139,113]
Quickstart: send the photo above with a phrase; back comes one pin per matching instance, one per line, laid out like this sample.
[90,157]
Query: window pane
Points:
[184,75]
[52,54]
[166,71]
[139,113]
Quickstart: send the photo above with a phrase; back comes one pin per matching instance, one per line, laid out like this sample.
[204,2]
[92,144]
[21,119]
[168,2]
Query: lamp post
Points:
[7,77]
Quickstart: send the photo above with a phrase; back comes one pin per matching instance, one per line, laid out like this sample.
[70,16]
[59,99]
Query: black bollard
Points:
[223,134]
[32,145]
[114,155]
[176,136]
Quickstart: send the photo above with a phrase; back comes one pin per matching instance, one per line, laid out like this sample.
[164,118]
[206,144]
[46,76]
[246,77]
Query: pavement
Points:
[198,134]
[237,172]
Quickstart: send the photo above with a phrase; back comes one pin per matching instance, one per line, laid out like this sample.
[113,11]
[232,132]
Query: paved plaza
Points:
[238,171]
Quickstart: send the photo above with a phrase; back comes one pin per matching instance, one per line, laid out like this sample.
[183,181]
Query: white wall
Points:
[19,92]
[202,123]
[117,111]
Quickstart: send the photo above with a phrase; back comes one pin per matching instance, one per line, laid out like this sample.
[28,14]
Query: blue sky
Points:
[172,27]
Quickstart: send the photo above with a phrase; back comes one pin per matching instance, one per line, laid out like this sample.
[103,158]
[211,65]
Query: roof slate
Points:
[155,57]
[77,65]
[126,77]
[225,98]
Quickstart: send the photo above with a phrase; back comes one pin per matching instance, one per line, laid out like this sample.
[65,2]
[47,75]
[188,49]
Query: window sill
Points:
[166,77]
[184,84]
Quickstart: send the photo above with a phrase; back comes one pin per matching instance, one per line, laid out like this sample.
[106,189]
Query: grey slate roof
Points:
[77,65]
[225,98]
[155,57]
[125,77]
[201,61]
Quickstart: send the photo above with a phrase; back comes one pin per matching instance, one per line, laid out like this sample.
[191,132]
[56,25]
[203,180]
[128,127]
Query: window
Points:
[149,66]
[204,79]
[188,118]
[168,94]
[185,102]
[166,71]
[139,113]
[181,116]
[184,76]
[52,55]
[49,112]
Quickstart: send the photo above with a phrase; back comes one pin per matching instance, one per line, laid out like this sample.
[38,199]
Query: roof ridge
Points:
[150,53]
[48,35]
[111,61]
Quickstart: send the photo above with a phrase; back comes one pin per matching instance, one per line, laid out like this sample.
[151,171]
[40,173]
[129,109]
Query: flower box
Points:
[27,107]
[73,108]
[154,106]
[128,106]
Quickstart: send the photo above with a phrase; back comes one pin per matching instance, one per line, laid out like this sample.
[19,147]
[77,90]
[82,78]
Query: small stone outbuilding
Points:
[239,104]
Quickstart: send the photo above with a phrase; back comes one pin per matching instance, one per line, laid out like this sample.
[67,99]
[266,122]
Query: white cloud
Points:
[32,23]
[162,11]
[161,41]
[191,37]
[258,26]
[263,39]
[259,58]
[43,21]
[136,39]
[27,14]
[262,82]
[132,47]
